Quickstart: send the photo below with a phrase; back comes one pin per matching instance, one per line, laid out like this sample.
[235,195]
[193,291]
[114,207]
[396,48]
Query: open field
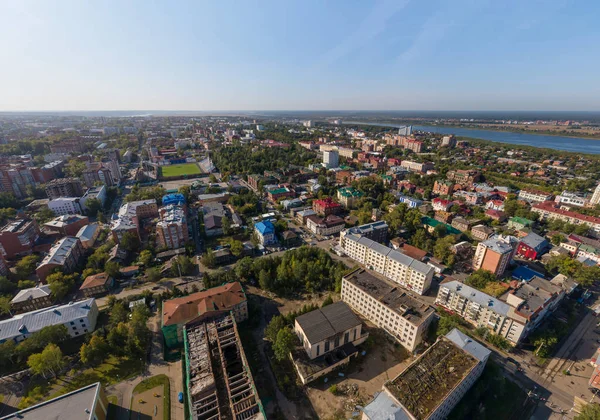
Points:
[181,169]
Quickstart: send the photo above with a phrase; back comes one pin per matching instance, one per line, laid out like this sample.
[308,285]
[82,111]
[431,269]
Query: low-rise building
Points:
[96,285]
[535,196]
[328,336]
[548,210]
[532,246]
[79,318]
[88,235]
[349,197]
[67,225]
[31,299]
[65,205]
[64,255]
[443,187]
[329,225]
[18,237]
[431,386]
[410,201]
[265,231]
[464,177]
[401,315]
[326,206]
[179,311]
[278,193]
[94,193]
[482,232]
[520,223]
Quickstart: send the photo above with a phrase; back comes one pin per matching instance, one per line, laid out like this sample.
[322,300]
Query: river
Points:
[569,144]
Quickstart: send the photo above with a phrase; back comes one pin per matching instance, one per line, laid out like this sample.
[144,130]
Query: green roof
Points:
[433,223]
[350,192]
[278,191]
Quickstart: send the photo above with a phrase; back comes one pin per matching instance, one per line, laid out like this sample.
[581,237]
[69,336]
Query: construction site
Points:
[218,379]
[430,379]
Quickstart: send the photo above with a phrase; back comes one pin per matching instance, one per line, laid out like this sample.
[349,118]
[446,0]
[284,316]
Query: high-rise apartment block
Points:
[495,254]
[64,187]
[172,230]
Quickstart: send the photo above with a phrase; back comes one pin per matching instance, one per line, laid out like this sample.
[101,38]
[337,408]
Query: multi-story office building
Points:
[431,386]
[65,205]
[495,254]
[172,230]
[394,265]
[18,237]
[64,254]
[79,318]
[401,315]
[64,187]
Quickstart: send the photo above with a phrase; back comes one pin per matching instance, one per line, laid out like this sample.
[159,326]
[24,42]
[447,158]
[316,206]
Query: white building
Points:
[99,193]
[534,196]
[596,196]
[401,315]
[308,123]
[65,205]
[571,198]
[79,318]
[331,158]
[397,267]
[431,386]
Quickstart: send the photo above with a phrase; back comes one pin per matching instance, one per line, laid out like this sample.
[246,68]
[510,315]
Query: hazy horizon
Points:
[390,55]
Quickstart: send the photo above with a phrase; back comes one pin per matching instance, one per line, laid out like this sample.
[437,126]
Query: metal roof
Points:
[475,295]
[324,323]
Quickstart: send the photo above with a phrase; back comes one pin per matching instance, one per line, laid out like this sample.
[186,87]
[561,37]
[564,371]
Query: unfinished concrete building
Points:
[219,382]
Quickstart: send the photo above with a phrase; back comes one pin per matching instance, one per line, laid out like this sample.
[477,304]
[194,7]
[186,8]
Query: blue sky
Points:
[270,55]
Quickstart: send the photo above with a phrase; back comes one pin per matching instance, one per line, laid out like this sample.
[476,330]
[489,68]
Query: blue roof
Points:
[525,273]
[176,198]
[265,227]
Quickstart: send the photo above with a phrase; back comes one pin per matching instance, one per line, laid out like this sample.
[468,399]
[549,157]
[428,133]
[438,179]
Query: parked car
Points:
[180,397]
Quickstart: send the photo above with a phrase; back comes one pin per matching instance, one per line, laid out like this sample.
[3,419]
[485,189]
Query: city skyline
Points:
[388,55]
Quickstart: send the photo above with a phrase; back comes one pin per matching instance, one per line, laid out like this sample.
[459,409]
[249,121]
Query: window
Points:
[326,346]
[318,349]
[355,330]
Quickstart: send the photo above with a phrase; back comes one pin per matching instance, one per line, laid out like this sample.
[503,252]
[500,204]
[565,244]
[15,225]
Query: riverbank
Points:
[524,131]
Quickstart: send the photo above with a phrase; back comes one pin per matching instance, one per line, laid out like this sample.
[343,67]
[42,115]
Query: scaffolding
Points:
[220,382]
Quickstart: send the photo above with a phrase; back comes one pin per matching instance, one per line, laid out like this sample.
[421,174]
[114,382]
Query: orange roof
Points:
[94,281]
[184,309]
[550,207]
[414,252]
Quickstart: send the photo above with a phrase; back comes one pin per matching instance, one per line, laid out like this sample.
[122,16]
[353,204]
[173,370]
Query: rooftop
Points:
[31,322]
[96,280]
[184,309]
[37,292]
[60,251]
[326,322]
[475,295]
[549,206]
[76,405]
[407,306]
[428,381]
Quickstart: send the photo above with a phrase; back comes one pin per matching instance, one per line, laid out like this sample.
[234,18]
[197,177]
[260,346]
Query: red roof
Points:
[327,203]
[184,309]
[550,207]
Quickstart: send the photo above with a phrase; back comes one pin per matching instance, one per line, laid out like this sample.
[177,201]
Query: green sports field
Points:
[180,170]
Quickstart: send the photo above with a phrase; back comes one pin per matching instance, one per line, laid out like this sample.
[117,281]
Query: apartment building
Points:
[79,318]
[326,206]
[67,225]
[431,386]
[495,254]
[64,187]
[18,237]
[573,199]
[596,196]
[328,336]
[376,231]
[443,187]
[394,265]
[464,177]
[31,299]
[98,193]
[417,166]
[172,229]
[64,255]
[547,210]
[535,196]
[130,215]
[401,315]
[482,310]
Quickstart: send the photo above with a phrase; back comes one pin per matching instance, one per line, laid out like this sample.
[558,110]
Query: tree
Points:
[212,179]
[447,323]
[5,305]
[480,278]
[277,323]
[442,250]
[74,168]
[244,268]
[264,280]
[226,224]
[43,215]
[49,362]
[328,301]
[146,258]
[153,275]
[60,284]
[6,286]
[186,191]
[236,248]
[118,314]
[130,241]
[182,266]
[284,344]
[589,412]
[26,266]
[208,259]
[117,338]
[112,269]
[93,206]
[558,239]
[94,352]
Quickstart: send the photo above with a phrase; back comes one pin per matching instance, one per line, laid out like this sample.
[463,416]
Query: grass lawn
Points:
[153,382]
[180,170]
[112,371]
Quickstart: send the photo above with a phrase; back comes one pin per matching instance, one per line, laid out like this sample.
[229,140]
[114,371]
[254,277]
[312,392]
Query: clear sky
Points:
[297,55]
